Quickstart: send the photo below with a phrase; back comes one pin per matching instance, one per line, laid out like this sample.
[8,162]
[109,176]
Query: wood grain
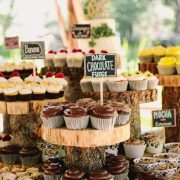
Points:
[3,108]
[169,80]
[18,107]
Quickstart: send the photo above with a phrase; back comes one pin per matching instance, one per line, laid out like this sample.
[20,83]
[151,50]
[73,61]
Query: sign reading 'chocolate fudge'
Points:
[164,118]
[81,31]
[11,42]
[33,50]
[100,65]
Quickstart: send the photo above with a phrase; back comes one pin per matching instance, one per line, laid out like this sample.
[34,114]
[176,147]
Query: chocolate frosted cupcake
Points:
[124,112]
[74,174]
[76,117]
[10,154]
[53,169]
[52,116]
[29,156]
[103,117]
[100,175]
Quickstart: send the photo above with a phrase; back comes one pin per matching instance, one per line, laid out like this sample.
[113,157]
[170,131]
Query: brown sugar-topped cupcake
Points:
[10,154]
[124,112]
[85,102]
[74,174]
[100,175]
[103,117]
[30,155]
[52,116]
[76,117]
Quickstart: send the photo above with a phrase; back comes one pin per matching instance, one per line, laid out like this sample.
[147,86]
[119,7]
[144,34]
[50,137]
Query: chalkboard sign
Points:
[100,65]
[33,50]
[164,118]
[81,31]
[11,42]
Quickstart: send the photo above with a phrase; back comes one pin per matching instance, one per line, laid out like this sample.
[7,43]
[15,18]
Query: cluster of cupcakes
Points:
[86,112]
[133,81]
[32,87]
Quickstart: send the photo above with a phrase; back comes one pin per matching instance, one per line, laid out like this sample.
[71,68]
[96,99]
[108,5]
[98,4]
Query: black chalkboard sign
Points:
[100,65]
[81,31]
[164,118]
[11,42]
[33,50]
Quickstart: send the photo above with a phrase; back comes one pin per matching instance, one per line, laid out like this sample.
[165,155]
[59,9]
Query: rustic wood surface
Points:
[169,80]
[17,107]
[87,137]
[3,108]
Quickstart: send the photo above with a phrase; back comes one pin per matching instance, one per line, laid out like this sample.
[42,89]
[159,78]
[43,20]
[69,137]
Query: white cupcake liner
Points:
[59,62]
[52,177]
[121,176]
[153,147]
[122,119]
[152,83]
[74,63]
[53,122]
[96,86]
[117,86]
[76,123]
[103,124]
[48,63]
[86,87]
[178,69]
[138,85]
[169,70]
[134,151]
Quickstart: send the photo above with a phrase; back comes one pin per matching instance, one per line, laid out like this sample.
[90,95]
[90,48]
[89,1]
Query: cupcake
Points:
[124,113]
[38,92]
[86,85]
[137,81]
[28,65]
[10,154]
[60,58]
[15,78]
[173,51]
[74,174]
[117,84]
[85,102]
[52,116]
[29,156]
[75,59]
[33,79]
[134,148]
[19,67]
[152,80]
[53,169]
[146,55]
[178,65]
[10,94]
[25,94]
[158,53]
[48,61]
[103,117]
[3,67]
[76,117]
[100,174]
[96,85]
[10,67]
[59,78]
[5,140]
[2,78]
[54,91]
[167,66]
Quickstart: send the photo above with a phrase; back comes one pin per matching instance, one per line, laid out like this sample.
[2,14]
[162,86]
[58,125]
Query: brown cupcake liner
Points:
[30,161]
[48,63]
[38,96]
[10,98]
[25,97]
[146,59]
[52,95]
[10,158]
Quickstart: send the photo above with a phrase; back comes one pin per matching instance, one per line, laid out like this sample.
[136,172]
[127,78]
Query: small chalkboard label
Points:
[164,118]
[33,50]
[11,42]
[100,65]
[81,31]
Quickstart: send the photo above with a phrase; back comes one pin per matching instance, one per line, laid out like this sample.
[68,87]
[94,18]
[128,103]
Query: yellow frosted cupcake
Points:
[158,53]
[146,56]
[173,51]
[178,65]
[167,66]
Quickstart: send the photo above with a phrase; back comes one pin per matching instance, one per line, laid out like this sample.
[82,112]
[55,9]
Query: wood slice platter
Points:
[169,80]
[87,137]
[3,109]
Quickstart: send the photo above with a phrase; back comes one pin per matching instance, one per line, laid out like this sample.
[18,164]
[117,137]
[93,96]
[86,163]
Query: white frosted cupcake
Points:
[38,92]
[152,80]
[2,78]
[25,94]
[60,58]
[28,65]
[48,61]
[10,67]
[33,79]
[15,78]
[59,78]
[10,94]
[53,91]
[19,67]
[137,81]
[86,85]
[75,59]
[96,85]
[3,68]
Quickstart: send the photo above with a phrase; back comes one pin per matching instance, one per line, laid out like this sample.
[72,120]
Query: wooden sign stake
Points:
[101,91]
[34,68]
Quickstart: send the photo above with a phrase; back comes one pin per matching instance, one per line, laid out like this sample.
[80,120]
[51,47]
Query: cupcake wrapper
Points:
[74,63]
[38,96]
[152,83]
[59,62]
[122,176]
[52,177]
[138,85]
[48,63]
[61,93]
[76,123]
[52,95]
[96,86]
[146,59]
[30,161]
[10,158]
[122,119]
[10,98]
[103,124]
[166,70]
[157,58]
[53,122]
[117,86]
[26,97]
[1,96]
[178,69]
[86,87]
